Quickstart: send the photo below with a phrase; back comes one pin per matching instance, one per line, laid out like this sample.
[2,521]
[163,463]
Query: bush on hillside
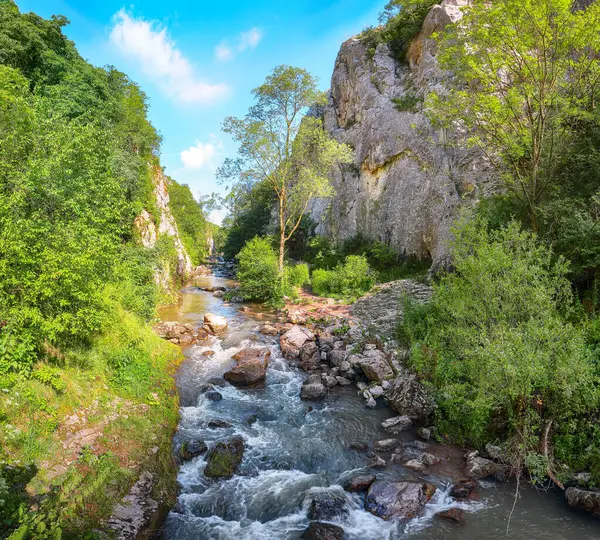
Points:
[348,280]
[498,347]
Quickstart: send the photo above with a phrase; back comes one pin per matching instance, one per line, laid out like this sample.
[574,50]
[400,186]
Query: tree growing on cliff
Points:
[281,146]
[526,75]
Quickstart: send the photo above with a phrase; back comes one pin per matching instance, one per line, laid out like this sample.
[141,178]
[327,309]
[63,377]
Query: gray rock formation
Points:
[397,500]
[408,397]
[406,185]
[583,499]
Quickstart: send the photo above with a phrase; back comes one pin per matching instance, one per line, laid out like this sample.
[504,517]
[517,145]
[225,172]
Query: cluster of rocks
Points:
[186,334]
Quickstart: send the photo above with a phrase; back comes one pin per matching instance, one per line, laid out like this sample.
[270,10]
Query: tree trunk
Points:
[281,236]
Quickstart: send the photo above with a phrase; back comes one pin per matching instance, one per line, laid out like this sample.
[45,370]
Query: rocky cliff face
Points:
[407,184]
[150,232]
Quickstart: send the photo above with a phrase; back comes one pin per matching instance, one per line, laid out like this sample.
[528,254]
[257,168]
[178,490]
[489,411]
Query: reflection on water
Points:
[295,449]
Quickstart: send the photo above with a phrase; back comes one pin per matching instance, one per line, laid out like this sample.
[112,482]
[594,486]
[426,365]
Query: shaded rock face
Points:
[408,397]
[397,500]
[327,506]
[251,368]
[223,460]
[323,531]
[402,189]
[583,499]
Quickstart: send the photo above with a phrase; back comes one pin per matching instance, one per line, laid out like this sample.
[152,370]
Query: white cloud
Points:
[154,50]
[246,40]
[202,155]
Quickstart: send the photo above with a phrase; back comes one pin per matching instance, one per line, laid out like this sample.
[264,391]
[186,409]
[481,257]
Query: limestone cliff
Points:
[150,230]
[406,185]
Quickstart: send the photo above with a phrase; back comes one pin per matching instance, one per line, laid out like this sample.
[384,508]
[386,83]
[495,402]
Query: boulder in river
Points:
[478,467]
[455,515]
[191,449]
[584,499]
[223,460]
[323,531]
[359,482]
[376,366]
[385,445]
[408,397]
[397,500]
[292,341]
[463,489]
[215,323]
[313,388]
[269,330]
[310,358]
[396,424]
[251,367]
[327,506]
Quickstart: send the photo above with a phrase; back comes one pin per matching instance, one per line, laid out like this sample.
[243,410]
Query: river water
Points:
[295,449]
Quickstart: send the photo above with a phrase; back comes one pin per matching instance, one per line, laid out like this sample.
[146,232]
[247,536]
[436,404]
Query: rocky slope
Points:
[407,184]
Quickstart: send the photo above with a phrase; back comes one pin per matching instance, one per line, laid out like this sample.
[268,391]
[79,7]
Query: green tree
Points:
[526,72]
[280,146]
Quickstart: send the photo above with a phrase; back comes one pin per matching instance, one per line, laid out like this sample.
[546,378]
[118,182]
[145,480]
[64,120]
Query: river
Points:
[296,448]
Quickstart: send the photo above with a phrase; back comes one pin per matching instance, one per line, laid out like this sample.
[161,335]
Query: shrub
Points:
[497,346]
[257,271]
[297,275]
[348,280]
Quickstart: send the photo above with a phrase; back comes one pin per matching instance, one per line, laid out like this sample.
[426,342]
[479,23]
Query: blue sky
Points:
[198,61]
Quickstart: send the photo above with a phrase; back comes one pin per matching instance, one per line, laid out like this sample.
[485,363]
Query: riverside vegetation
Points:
[508,346]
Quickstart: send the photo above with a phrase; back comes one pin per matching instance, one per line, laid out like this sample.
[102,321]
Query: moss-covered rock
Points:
[224,459]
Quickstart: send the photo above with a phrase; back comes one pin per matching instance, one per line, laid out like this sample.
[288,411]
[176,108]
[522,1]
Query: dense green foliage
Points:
[347,280]
[191,222]
[499,346]
[257,270]
[401,21]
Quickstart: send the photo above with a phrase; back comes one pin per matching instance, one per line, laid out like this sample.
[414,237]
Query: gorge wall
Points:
[407,183]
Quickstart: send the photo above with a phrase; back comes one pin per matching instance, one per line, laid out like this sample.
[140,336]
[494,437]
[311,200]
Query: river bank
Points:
[297,452]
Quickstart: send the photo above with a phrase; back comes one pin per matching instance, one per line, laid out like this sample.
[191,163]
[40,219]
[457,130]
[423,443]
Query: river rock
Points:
[424,433]
[377,462]
[251,367]
[455,515]
[215,323]
[336,357]
[175,332]
[323,531]
[313,388]
[397,500]
[328,506]
[463,489]
[347,371]
[385,445]
[191,449]
[416,465]
[375,366]
[296,317]
[408,397]
[376,391]
[213,395]
[292,341]
[269,330]
[223,460]
[309,356]
[359,482]
[218,424]
[584,499]
[478,467]
[325,342]
[396,424]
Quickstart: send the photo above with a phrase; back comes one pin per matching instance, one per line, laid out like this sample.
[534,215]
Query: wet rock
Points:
[213,395]
[377,462]
[336,357]
[223,460]
[359,482]
[359,446]
[218,424]
[269,330]
[376,391]
[327,506]
[328,381]
[293,340]
[478,467]
[455,515]
[424,433]
[186,339]
[396,424]
[309,356]
[416,465]
[343,381]
[583,499]
[408,397]
[218,381]
[463,489]
[429,459]
[385,445]
[371,403]
[313,388]
[215,323]
[252,419]
[251,367]
[323,531]
[191,449]
[347,371]
[218,294]
[375,366]
[208,353]
[397,500]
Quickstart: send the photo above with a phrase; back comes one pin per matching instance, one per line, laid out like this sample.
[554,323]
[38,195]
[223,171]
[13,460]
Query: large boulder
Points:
[323,531]
[478,467]
[215,323]
[376,366]
[398,500]
[313,388]
[293,340]
[310,357]
[408,397]
[251,367]
[224,459]
[328,506]
[397,424]
[584,499]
